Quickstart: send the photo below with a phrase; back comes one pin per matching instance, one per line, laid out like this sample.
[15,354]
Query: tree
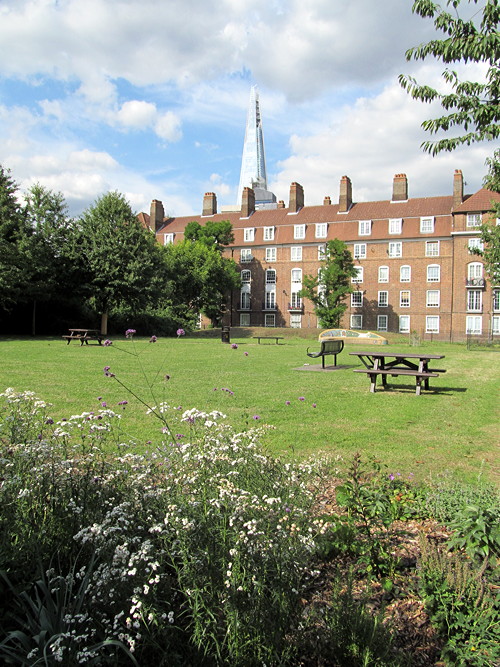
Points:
[218,234]
[12,264]
[329,289]
[474,106]
[121,263]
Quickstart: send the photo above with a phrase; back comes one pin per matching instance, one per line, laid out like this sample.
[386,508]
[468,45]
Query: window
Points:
[395,249]
[270,300]
[382,322]
[475,244]
[249,234]
[168,239]
[383,299]
[432,300]
[269,320]
[432,324]
[360,251]
[395,225]
[270,277]
[433,273]
[473,324]
[321,230]
[496,300]
[495,325]
[356,321]
[404,298]
[364,227]
[383,274]
[404,324]
[321,252]
[474,270]
[268,233]
[244,319]
[358,278]
[473,219]
[427,225]
[404,274]
[357,299]
[295,300]
[246,276]
[245,300]
[299,231]
[474,301]
[296,253]
[270,254]
[245,255]
[295,321]
[296,276]
[432,248]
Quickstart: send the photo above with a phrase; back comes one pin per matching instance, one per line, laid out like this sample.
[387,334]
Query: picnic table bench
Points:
[401,363]
[275,338]
[84,335]
[332,347]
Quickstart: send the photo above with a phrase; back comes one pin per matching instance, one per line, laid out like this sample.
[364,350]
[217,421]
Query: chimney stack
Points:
[247,202]
[400,188]
[345,198]
[296,198]
[209,204]
[458,188]
[156,215]
[281,204]
[327,201]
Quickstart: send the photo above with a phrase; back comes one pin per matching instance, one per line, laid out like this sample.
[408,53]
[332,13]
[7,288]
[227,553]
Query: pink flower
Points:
[234,346]
[301,398]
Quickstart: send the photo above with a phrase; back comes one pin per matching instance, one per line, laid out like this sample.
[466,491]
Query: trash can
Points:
[225,335]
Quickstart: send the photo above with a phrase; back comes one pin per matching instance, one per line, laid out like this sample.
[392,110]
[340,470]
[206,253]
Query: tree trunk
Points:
[104,323]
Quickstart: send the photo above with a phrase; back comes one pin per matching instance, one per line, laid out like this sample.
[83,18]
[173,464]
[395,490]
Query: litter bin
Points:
[225,335]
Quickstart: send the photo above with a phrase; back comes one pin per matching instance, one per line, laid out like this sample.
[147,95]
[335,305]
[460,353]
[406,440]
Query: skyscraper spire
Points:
[253,162]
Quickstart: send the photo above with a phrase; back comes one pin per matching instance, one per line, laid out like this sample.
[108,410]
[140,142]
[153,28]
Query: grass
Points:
[453,428]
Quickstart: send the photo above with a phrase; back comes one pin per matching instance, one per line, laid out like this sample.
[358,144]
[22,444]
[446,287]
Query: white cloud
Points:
[137,114]
[168,126]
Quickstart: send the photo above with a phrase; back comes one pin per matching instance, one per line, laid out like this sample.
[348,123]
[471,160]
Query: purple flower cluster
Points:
[234,346]
[180,332]
[129,333]
[153,339]
[107,372]
[107,342]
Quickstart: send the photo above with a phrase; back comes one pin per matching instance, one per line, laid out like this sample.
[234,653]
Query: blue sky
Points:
[149,97]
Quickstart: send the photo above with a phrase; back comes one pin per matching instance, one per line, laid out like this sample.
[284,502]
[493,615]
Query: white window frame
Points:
[364,227]
[432,324]
[296,253]
[474,301]
[474,325]
[395,225]
[427,224]
[296,276]
[475,243]
[495,325]
[168,239]
[245,298]
[433,273]
[244,277]
[382,322]
[269,320]
[474,270]
[358,278]
[432,298]
[431,244]
[404,324]
[383,301]
[381,270]
[474,219]
[269,276]
[270,299]
[321,230]
[245,255]
[405,273]
[395,249]
[270,254]
[244,319]
[295,299]
[322,252]
[249,234]
[496,300]
[268,233]
[295,321]
[359,251]
[357,299]
[356,321]
[403,303]
[299,231]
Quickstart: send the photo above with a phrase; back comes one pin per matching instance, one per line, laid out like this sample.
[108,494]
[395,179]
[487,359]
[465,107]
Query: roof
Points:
[479,201]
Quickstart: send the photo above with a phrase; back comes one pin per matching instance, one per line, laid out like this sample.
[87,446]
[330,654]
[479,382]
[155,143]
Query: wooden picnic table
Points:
[275,338]
[398,363]
[84,335]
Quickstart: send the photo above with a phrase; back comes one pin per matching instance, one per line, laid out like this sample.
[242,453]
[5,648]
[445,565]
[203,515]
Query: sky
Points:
[149,98]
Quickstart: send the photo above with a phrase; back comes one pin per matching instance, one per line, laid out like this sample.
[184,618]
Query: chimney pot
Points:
[281,204]
[327,201]
[400,188]
[209,204]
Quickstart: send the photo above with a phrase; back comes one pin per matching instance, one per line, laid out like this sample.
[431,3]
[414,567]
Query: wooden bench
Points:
[275,338]
[384,372]
[333,347]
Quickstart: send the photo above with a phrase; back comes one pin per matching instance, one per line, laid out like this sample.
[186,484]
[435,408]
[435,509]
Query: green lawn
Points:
[454,428]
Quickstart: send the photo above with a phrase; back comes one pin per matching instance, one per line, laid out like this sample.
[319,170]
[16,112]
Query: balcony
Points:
[269,306]
[296,308]
[475,282]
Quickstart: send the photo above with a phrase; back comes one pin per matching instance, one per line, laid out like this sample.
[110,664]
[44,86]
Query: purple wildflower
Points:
[256,417]
[234,346]
[108,373]
[246,354]
[287,403]
[104,404]
[49,421]
[129,333]
[391,476]
[301,398]
[107,342]
[180,332]
[153,339]
[314,405]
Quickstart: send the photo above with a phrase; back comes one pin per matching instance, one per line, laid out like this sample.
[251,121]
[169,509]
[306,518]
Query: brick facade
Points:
[416,269]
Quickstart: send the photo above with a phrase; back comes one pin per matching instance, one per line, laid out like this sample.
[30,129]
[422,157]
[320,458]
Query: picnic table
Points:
[398,363]
[84,335]
[275,338]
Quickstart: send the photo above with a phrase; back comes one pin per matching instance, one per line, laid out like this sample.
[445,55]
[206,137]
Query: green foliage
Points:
[329,289]
[490,236]
[12,260]
[474,105]
[461,607]
[477,532]
[212,234]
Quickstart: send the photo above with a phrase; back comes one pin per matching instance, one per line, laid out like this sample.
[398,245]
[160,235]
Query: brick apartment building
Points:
[416,272]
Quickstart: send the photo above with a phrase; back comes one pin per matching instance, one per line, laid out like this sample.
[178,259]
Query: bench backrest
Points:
[332,346]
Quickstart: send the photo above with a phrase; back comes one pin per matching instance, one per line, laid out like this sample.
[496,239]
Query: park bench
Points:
[420,376]
[275,338]
[84,335]
[333,347]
